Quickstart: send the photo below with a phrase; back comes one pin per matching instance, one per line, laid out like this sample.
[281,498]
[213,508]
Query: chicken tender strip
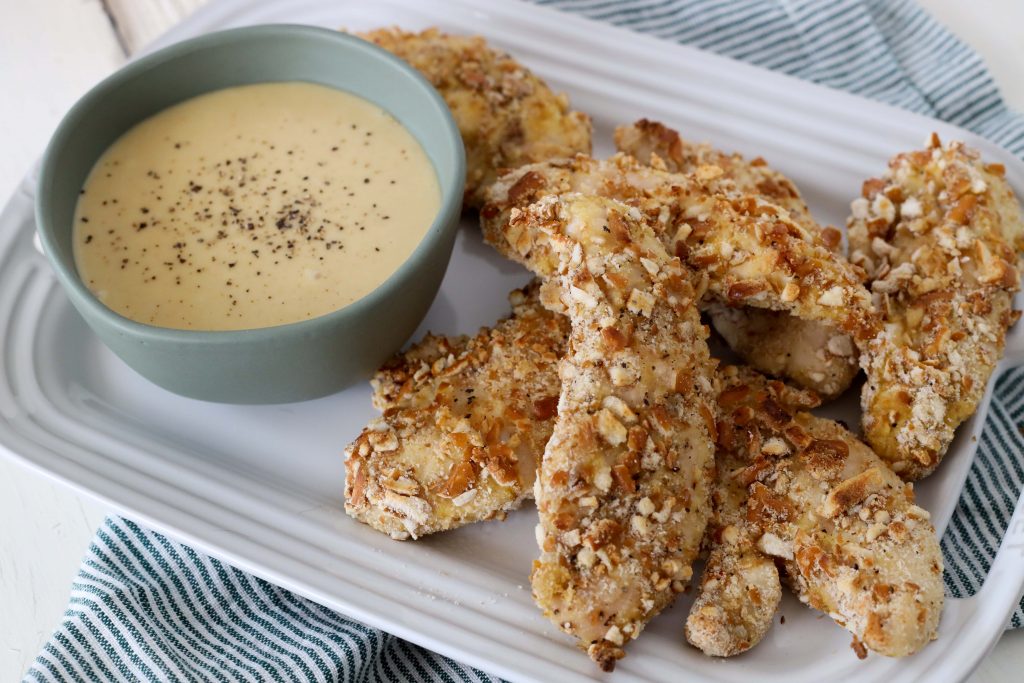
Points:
[940,236]
[748,253]
[740,588]
[655,144]
[803,490]
[810,354]
[464,421]
[773,342]
[623,490]
[507,116]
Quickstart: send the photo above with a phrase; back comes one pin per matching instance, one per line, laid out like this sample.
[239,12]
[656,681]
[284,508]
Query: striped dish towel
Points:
[146,608]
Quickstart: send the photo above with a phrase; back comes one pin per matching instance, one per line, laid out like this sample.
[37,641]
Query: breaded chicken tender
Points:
[746,253]
[940,236]
[464,421]
[804,491]
[507,116]
[740,588]
[655,144]
[807,352]
[804,351]
[623,490]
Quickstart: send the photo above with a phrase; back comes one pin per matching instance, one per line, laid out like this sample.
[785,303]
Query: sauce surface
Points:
[252,206]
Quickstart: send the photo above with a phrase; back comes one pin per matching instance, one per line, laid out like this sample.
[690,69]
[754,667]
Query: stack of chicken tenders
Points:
[598,396]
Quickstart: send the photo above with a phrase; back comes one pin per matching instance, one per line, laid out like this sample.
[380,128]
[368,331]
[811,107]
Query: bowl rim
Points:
[443,223]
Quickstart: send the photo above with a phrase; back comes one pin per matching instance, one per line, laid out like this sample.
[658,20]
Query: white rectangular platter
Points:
[261,487]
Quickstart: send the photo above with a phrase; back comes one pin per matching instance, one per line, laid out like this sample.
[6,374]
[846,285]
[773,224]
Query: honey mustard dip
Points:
[252,206]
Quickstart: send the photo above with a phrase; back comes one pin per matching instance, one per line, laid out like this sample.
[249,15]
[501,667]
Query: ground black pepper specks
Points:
[320,213]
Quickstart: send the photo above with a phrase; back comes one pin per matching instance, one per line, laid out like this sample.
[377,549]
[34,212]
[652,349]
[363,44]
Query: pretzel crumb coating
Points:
[655,144]
[940,236]
[739,594]
[463,422]
[746,254]
[740,588]
[507,115]
[803,490]
[809,353]
[623,491]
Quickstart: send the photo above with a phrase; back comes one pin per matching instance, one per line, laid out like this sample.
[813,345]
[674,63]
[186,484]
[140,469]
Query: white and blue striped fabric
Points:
[146,608]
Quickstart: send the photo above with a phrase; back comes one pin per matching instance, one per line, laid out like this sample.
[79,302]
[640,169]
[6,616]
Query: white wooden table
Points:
[51,51]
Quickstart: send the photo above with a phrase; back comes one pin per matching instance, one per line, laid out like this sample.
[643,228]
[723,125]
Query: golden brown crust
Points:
[655,144]
[805,491]
[744,251]
[464,421]
[624,483]
[806,352]
[939,236]
[740,588]
[507,116]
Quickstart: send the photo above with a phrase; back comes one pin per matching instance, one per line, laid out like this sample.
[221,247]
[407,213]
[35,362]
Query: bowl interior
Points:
[237,57]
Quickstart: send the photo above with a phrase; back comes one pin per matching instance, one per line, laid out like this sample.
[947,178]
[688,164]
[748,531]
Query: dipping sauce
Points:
[252,206]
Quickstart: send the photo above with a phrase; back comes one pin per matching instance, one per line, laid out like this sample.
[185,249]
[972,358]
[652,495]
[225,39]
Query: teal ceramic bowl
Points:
[285,363]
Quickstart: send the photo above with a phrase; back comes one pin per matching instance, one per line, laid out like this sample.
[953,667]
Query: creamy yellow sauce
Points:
[252,206]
